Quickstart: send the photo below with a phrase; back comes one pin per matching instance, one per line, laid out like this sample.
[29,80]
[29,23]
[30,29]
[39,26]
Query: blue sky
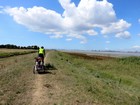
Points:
[71,24]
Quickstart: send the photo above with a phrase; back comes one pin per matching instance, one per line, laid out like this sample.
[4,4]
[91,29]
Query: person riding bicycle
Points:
[41,53]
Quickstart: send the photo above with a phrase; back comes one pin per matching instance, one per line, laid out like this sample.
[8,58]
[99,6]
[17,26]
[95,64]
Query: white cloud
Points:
[105,36]
[37,19]
[69,39]
[91,32]
[56,36]
[106,48]
[107,42]
[1,9]
[139,34]
[139,20]
[75,21]
[136,47]
[78,36]
[124,34]
[116,27]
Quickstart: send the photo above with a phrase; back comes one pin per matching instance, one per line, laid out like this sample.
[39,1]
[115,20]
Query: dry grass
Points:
[90,80]
[16,79]
[12,52]
[71,79]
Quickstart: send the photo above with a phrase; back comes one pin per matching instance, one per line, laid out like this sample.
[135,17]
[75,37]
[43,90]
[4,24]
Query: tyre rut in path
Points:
[38,96]
[56,88]
[46,89]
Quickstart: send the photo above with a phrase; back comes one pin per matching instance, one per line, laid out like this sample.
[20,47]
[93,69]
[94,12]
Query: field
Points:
[100,80]
[12,52]
[70,79]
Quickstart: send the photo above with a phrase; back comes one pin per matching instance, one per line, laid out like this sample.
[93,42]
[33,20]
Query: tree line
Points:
[11,46]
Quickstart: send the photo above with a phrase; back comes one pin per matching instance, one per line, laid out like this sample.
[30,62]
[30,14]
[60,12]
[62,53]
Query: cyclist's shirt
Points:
[41,51]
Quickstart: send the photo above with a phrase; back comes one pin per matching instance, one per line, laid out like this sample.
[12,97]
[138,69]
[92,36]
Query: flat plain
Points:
[70,79]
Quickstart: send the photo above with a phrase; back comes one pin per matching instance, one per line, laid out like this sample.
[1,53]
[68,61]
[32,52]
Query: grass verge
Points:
[16,79]
[97,79]
[13,52]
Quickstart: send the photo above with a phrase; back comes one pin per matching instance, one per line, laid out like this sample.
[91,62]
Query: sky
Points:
[71,24]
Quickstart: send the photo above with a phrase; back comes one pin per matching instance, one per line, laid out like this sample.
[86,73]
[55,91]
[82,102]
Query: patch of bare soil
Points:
[38,96]
[91,57]
[56,88]
[45,89]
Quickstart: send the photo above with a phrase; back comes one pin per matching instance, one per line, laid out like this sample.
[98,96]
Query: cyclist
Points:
[41,53]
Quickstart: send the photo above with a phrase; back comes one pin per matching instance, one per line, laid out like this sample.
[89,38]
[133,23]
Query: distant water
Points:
[117,54]
[113,54]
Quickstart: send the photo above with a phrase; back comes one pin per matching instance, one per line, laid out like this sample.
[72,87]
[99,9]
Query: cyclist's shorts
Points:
[41,55]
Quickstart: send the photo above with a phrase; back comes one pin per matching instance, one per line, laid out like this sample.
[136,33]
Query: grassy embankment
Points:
[98,80]
[16,77]
[78,80]
[13,52]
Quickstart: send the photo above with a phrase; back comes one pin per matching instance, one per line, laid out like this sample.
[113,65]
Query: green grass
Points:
[106,82]
[13,52]
[74,78]
[16,79]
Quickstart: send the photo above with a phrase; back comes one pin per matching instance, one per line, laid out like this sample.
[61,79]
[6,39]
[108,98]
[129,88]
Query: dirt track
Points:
[68,80]
[56,88]
[45,90]
[18,84]
[39,91]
